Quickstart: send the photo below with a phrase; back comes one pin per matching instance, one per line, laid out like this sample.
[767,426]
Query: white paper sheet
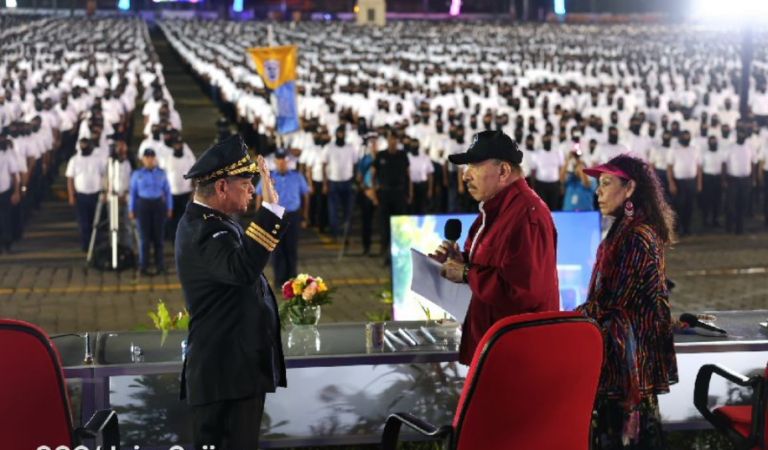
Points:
[427,282]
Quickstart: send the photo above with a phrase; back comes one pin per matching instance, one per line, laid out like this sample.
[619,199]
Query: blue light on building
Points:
[124,5]
[237,6]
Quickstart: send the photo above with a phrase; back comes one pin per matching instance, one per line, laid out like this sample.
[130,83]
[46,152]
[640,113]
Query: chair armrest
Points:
[701,402]
[103,423]
[391,433]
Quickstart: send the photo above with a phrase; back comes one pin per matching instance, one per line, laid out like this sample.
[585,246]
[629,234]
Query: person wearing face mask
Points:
[657,158]
[711,193]
[369,201]
[609,150]
[758,104]
[176,165]
[529,150]
[153,141]
[421,171]
[638,145]
[84,175]
[545,173]
[392,182]
[727,114]
[10,193]
[684,179]
[312,160]
[452,173]
[339,160]
[738,180]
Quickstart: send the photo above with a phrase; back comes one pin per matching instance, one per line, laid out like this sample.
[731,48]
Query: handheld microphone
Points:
[452,233]
[702,328]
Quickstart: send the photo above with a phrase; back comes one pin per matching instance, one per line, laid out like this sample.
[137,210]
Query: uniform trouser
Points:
[228,425]
[441,194]
[179,206]
[684,200]
[710,197]
[340,196]
[286,252]
[6,226]
[549,194]
[35,185]
[18,216]
[453,192]
[392,202]
[369,209]
[737,198]
[765,196]
[151,215]
[661,174]
[318,207]
[419,202]
[85,205]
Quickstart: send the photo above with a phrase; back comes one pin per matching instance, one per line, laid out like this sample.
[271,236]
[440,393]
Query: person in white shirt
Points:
[85,175]
[153,141]
[176,164]
[339,162]
[545,173]
[312,159]
[712,180]
[684,179]
[611,149]
[10,192]
[737,169]
[758,104]
[421,170]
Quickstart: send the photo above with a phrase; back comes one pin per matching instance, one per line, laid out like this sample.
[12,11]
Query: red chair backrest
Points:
[765,408]
[531,385]
[33,396]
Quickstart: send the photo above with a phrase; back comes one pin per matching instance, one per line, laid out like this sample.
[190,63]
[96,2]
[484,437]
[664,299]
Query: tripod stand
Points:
[112,256]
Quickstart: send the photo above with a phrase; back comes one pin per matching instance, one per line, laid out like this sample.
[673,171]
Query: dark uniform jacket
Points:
[234,349]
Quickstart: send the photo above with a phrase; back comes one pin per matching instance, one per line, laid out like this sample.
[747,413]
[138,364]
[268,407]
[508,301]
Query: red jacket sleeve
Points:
[525,277]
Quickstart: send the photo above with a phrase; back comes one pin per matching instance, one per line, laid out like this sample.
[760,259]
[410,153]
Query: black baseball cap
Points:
[489,145]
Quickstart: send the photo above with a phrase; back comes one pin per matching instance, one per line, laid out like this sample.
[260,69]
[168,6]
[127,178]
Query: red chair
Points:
[745,426]
[33,396]
[531,385]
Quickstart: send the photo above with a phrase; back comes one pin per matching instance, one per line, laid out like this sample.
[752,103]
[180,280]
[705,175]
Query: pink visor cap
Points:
[606,168]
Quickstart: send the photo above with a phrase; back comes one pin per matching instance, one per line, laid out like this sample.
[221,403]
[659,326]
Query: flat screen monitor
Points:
[579,235]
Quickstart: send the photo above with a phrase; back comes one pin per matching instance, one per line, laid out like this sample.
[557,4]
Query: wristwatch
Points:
[465,273]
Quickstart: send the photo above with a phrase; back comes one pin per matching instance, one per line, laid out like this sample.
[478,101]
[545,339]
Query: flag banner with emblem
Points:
[277,67]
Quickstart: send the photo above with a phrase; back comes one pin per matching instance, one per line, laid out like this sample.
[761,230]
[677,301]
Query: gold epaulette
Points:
[259,235]
[211,216]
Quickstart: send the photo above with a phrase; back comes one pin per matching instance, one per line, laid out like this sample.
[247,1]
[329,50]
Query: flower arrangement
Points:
[301,293]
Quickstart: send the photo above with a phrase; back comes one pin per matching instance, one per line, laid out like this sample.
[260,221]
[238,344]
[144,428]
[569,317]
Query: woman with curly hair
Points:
[628,298]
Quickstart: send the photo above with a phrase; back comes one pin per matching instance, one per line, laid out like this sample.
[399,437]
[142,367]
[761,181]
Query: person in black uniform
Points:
[394,190]
[234,351]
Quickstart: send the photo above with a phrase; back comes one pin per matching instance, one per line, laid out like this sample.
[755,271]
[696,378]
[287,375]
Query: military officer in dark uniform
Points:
[234,350]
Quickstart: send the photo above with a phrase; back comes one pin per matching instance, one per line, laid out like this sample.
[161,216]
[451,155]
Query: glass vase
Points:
[303,338]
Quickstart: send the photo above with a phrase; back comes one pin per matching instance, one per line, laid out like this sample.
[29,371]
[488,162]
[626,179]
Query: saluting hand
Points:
[267,185]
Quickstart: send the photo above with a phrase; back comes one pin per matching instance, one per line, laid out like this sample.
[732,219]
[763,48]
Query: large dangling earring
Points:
[629,209]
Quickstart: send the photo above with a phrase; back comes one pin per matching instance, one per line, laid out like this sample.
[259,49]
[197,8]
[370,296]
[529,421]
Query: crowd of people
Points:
[572,97]
[69,88]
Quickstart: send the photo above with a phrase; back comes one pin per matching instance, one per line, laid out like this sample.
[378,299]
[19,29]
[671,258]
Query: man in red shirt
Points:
[509,257]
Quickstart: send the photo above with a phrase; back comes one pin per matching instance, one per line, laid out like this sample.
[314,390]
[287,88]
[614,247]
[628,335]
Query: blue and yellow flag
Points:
[277,67]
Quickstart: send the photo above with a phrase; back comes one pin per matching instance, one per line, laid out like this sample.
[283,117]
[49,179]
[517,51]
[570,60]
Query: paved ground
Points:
[47,283]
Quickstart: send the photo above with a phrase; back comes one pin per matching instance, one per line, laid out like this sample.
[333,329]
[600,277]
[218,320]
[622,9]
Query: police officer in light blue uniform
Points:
[293,191]
[150,203]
